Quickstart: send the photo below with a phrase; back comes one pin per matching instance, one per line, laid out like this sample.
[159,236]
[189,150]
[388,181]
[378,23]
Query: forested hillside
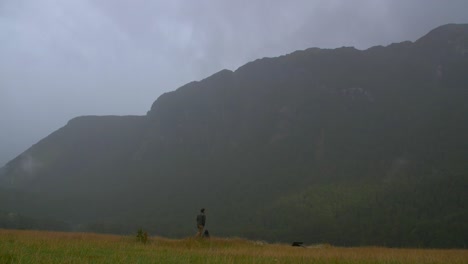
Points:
[344,146]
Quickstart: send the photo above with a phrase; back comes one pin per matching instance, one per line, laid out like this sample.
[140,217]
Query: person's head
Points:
[202,210]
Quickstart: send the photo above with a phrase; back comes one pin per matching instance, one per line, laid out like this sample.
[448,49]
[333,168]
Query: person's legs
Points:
[200,231]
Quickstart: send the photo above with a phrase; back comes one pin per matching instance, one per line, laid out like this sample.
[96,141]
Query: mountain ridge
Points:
[324,136]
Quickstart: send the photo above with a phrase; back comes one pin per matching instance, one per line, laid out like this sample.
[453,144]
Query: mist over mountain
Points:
[4,157]
[344,146]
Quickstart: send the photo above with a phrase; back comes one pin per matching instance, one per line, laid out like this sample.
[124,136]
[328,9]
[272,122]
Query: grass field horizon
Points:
[19,246]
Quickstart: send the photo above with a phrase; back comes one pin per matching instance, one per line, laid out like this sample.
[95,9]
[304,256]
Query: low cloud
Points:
[61,59]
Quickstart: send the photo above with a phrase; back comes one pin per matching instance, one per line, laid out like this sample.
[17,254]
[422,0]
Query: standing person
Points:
[201,218]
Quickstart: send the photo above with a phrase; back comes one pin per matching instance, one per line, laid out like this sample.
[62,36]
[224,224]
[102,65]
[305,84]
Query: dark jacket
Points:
[201,219]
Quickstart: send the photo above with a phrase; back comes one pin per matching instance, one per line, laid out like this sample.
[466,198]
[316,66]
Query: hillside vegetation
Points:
[340,146]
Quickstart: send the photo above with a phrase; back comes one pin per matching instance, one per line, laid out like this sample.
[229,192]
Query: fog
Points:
[61,59]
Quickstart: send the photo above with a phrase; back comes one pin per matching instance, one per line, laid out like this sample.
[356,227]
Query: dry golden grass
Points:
[56,247]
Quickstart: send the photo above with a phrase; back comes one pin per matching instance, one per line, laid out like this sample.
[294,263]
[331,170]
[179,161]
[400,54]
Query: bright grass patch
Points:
[55,247]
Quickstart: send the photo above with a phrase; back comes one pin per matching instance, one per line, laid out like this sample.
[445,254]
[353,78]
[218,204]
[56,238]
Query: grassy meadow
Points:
[57,247]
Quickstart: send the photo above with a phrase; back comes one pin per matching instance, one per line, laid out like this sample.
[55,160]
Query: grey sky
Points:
[64,58]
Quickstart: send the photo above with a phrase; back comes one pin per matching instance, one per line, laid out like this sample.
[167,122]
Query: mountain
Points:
[345,146]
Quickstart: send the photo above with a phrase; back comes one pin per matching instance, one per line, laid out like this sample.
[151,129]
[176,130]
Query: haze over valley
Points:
[341,145]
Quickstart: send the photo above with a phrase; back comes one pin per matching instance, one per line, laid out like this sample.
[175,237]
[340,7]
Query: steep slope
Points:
[344,146]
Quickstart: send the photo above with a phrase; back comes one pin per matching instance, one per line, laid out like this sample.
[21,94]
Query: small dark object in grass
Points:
[206,234]
[297,244]
[142,236]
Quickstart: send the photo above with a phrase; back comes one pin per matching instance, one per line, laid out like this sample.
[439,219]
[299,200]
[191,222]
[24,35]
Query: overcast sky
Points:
[65,58]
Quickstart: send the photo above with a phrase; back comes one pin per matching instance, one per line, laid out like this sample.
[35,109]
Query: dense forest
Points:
[340,146]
